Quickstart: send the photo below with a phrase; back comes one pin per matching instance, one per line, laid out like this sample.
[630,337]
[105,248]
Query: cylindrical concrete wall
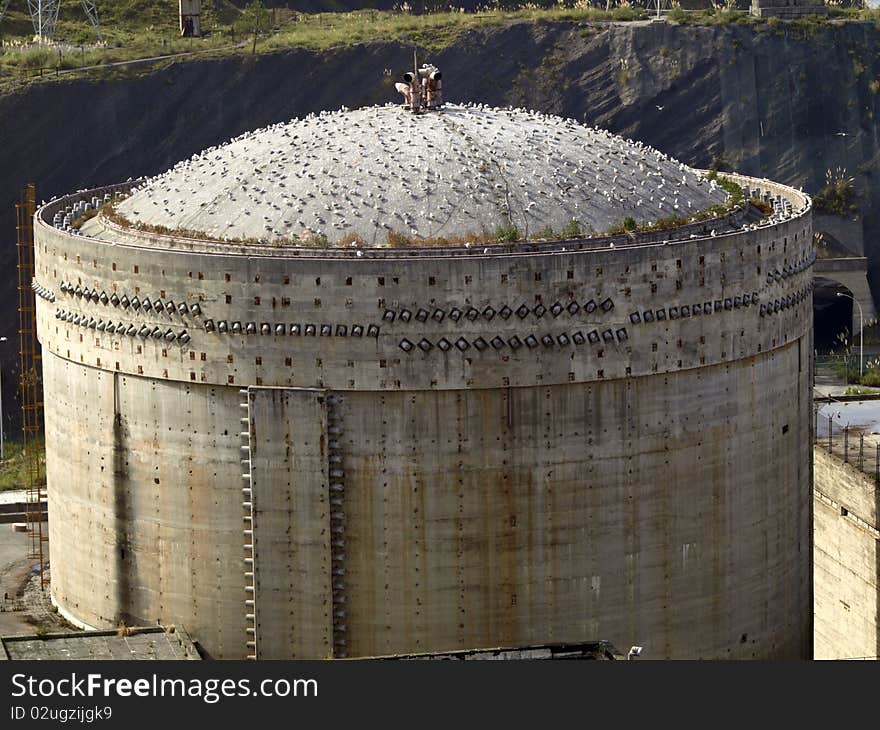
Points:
[638,472]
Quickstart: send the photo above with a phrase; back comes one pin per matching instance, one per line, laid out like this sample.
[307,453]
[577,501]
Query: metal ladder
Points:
[247,504]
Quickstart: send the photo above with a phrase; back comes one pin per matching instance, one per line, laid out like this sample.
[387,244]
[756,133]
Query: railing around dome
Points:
[730,223]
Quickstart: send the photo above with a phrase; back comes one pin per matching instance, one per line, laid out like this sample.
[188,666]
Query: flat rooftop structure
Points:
[153,642]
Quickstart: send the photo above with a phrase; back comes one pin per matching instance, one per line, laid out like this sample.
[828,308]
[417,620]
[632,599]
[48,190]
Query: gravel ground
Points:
[24,608]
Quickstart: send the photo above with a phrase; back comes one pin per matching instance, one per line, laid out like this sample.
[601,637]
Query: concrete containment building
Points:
[375,383]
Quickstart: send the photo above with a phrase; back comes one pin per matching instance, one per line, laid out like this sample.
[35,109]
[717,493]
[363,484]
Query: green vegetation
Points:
[144,29]
[12,468]
[838,195]
[856,390]
[319,240]
[844,362]
[734,200]
[803,27]
[139,30]
[867,379]
[255,18]
[870,377]
[730,187]
[843,369]
[713,16]
[572,229]
[132,29]
[506,234]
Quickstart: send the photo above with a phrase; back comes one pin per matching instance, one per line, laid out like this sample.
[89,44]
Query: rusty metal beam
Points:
[31,382]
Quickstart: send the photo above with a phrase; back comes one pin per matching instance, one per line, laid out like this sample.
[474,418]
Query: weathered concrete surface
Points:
[844,234]
[148,497]
[851,273]
[846,560]
[511,516]
[651,486]
[290,495]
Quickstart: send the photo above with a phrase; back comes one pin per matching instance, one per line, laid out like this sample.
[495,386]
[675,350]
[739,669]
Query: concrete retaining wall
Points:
[847,560]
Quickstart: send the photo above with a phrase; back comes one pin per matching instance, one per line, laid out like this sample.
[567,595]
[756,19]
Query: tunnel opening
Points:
[832,316]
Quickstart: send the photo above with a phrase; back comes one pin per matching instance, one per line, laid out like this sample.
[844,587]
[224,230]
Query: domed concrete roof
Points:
[463,171]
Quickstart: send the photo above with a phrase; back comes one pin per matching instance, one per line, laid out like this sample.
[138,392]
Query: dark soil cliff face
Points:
[771,103]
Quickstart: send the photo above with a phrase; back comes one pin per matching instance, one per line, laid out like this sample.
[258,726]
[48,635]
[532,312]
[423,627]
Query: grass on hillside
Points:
[155,33]
[151,21]
[140,29]
[12,468]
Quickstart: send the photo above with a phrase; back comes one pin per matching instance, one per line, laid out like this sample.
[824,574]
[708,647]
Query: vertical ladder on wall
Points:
[31,385]
[248,508]
[336,476]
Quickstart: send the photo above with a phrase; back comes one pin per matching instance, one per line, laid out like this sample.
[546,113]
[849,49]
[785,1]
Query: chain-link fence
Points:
[849,443]
[841,368]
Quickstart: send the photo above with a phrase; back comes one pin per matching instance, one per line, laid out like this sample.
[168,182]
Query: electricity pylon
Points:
[44,16]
